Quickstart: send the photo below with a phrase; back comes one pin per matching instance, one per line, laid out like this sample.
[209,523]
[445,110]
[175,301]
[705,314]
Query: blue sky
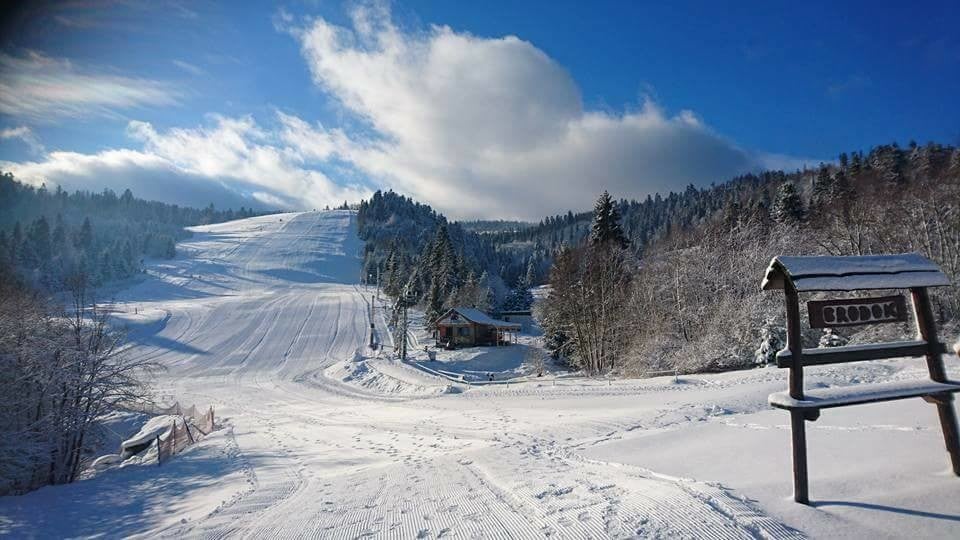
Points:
[483,109]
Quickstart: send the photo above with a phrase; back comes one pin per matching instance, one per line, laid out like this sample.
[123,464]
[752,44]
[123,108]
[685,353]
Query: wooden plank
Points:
[927,329]
[856,311]
[859,353]
[794,343]
[798,433]
[798,443]
[843,396]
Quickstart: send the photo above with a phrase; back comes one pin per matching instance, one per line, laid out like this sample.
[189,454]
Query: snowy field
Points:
[262,319]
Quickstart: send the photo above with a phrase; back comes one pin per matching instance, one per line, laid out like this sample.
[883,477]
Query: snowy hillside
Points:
[262,318]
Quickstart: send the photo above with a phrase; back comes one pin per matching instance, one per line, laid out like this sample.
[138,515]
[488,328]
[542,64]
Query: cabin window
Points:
[463,331]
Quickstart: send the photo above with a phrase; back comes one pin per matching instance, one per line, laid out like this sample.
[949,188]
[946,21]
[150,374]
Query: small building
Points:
[469,327]
[523,317]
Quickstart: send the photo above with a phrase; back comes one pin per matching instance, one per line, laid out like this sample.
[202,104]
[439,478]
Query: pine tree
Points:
[856,164]
[435,300]
[391,277]
[442,263]
[888,161]
[822,189]
[841,190]
[105,267]
[85,238]
[732,214]
[485,298]
[171,250]
[126,257]
[520,298]
[531,277]
[606,227]
[59,236]
[788,208]
[39,237]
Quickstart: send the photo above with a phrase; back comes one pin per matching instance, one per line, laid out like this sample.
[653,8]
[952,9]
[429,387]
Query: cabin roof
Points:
[476,316]
[825,273]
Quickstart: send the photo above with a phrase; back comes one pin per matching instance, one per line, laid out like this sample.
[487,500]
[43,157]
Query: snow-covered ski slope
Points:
[262,319]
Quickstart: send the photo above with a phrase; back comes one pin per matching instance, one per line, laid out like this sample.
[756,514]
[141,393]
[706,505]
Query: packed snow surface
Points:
[320,437]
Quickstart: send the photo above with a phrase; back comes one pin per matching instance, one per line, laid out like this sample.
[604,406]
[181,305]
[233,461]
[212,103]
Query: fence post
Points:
[186,426]
[159,457]
[173,439]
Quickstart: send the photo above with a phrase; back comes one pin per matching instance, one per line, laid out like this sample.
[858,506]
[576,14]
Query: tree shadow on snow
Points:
[289,274]
[117,503]
[161,342]
[893,509]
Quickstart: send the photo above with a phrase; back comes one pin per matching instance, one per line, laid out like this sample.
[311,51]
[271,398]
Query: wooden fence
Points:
[185,431]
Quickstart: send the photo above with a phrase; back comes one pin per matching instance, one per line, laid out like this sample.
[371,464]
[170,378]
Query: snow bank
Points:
[157,426]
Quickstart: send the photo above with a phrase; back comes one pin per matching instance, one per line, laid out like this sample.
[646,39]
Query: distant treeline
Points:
[688,297]
[46,235]
[417,252]
[684,294]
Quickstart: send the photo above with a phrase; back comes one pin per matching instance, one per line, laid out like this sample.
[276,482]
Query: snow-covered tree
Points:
[531,276]
[788,208]
[830,339]
[520,298]
[772,339]
[59,375]
[606,226]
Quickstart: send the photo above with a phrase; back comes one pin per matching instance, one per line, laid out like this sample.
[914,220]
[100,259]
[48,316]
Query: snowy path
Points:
[334,458]
[262,319]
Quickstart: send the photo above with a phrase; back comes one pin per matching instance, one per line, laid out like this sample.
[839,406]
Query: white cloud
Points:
[148,176]
[491,127]
[239,148]
[189,68]
[312,143]
[228,161]
[25,135]
[43,88]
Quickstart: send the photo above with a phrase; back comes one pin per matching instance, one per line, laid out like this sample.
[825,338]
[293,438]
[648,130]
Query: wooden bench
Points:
[795,275]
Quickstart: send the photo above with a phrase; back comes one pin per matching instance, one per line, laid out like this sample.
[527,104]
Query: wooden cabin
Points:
[469,327]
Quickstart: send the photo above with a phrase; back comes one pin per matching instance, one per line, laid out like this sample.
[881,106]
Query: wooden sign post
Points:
[795,275]
[856,311]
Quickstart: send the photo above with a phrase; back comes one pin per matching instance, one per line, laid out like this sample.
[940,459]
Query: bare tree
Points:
[590,287]
[60,374]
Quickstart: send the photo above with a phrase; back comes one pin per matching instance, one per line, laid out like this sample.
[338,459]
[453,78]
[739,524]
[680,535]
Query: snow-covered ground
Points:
[261,318]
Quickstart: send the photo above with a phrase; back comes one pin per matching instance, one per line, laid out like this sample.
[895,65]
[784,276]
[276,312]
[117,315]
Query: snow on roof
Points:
[479,317]
[823,273]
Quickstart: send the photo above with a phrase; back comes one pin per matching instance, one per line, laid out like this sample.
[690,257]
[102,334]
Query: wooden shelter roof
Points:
[829,273]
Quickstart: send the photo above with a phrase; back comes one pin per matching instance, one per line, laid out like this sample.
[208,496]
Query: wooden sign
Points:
[853,311]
